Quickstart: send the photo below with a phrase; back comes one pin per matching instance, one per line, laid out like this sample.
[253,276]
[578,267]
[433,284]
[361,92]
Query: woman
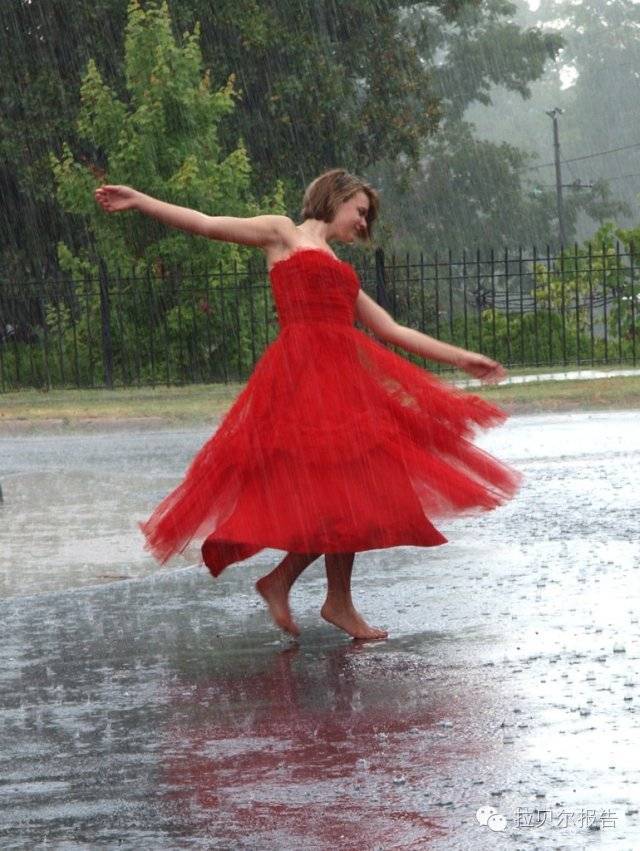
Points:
[336,444]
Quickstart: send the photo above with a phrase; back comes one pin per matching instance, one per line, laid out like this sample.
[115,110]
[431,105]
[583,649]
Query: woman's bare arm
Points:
[374,317]
[261,231]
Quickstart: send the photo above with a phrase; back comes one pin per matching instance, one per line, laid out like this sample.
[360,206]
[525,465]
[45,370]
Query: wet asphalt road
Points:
[164,711]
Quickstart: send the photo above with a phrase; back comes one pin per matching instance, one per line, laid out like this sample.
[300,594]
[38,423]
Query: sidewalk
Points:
[570,375]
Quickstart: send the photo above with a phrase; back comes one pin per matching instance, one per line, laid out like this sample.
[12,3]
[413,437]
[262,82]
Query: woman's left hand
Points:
[487,370]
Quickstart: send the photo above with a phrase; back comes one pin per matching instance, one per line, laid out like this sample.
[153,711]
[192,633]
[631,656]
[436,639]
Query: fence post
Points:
[381,283]
[45,338]
[105,322]
[633,302]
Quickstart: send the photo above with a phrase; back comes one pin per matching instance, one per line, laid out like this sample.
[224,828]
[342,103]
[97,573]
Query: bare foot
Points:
[347,618]
[277,599]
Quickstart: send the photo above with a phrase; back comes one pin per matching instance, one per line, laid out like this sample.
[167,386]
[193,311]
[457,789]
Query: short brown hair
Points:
[323,196]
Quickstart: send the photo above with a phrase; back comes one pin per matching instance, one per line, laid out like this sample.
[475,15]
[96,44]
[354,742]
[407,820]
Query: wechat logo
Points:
[491,818]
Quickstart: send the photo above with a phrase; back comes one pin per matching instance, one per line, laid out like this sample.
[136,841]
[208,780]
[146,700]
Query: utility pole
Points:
[553,114]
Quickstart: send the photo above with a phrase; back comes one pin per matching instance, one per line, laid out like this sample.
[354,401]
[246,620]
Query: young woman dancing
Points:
[336,444]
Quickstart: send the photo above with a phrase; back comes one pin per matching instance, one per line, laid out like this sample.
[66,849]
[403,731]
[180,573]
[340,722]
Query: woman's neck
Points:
[316,231]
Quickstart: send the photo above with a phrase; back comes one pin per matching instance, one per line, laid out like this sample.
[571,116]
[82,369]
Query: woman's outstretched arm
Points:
[374,317]
[262,231]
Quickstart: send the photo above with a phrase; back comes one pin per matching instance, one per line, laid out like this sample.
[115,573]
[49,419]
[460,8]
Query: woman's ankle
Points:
[338,599]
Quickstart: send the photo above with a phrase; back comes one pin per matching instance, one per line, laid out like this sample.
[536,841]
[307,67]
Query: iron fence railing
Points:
[530,309]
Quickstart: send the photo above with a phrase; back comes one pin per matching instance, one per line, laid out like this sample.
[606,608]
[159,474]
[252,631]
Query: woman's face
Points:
[350,221]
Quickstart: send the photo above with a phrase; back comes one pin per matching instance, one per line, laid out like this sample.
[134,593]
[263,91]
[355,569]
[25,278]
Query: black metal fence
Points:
[174,327]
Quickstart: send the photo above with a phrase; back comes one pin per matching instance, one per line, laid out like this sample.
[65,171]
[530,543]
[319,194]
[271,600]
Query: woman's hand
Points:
[487,370]
[115,199]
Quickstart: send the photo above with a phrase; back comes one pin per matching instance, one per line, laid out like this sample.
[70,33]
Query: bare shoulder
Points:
[287,241]
[284,230]
[266,232]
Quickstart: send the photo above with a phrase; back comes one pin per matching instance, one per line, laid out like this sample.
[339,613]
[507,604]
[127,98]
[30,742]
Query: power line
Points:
[583,186]
[585,157]
[602,153]
[620,176]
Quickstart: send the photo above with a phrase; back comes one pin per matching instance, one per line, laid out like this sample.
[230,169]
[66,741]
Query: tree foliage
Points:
[470,192]
[164,140]
[380,86]
[360,82]
[602,108]
[44,50]
[321,83]
[596,284]
[594,81]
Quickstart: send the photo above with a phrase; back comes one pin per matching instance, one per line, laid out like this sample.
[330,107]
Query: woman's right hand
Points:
[115,199]
[482,367]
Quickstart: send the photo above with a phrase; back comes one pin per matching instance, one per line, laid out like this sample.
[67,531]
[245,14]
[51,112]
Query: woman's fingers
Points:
[487,370]
[114,198]
[495,373]
[102,194]
[498,371]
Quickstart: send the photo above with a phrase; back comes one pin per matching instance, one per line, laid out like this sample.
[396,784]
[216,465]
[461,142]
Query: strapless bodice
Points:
[311,286]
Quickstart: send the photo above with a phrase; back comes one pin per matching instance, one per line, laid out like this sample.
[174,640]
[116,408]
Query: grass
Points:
[198,402]
[34,409]
[615,393]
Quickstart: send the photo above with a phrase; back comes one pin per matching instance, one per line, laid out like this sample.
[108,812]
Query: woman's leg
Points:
[275,586]
[338,608]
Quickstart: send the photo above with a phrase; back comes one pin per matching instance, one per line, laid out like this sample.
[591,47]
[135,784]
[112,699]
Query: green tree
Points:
[594,81]
[468,192]
[360,82]
[320,83]
[602,109]
[471,191]
[356,83]
[595,287]
[163,139]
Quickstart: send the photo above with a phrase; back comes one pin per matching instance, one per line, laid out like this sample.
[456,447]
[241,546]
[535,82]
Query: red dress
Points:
[335,445]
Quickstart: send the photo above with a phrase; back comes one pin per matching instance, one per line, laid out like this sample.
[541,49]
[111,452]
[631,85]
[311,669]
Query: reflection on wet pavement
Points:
[163,711]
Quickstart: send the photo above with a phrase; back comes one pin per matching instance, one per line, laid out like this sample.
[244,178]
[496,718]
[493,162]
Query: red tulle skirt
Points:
[335,445]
